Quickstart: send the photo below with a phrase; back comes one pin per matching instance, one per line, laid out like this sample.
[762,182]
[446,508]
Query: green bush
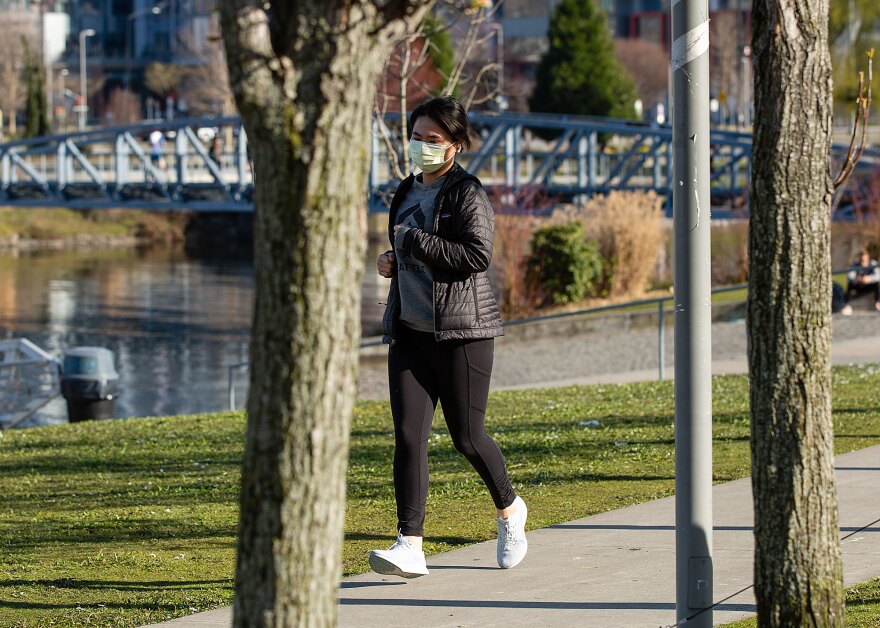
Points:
[563,266]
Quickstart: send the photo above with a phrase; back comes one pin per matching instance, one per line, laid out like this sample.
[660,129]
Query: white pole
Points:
[83,84]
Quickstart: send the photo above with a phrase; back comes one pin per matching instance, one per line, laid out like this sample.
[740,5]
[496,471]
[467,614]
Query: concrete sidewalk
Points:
[620,354]
[843,352]
[614,569]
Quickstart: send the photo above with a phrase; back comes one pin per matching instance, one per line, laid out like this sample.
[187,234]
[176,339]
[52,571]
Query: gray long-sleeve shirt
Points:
[415,279]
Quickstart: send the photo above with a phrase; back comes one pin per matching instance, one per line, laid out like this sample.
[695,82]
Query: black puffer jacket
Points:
[458,252]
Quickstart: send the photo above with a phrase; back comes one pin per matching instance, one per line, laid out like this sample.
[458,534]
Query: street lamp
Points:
[129,53]
[83,95]
[62,98]
[498,28]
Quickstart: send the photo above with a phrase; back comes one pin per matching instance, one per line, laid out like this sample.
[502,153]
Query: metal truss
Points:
[114,167]
[567,157]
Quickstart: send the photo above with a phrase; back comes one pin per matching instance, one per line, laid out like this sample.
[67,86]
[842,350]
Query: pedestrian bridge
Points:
[565,157]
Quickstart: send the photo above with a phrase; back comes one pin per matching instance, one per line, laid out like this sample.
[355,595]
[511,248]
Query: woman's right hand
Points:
[385,264]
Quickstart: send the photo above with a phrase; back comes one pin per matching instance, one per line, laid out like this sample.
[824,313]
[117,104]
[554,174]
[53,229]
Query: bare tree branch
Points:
[467,49]
[412,54]
[863,110]
[491,93]
[385,134]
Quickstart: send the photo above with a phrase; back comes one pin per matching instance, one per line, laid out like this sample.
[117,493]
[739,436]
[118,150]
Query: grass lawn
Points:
[122,523]
[862,607]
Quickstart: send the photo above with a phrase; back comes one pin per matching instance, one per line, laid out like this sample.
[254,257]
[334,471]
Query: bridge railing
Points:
[116,167]
[567,157]
[574,156]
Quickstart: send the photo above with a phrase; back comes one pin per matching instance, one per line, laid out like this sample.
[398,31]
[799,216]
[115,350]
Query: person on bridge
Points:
[157,149]
[863,278]
[441,319]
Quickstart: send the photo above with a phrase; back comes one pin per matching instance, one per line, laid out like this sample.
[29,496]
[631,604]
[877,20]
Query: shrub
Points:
[563,265]
[730,252]
[509,259]
[517,214]
[628,227]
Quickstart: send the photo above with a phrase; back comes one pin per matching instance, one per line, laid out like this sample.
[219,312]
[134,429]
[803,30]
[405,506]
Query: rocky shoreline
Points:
[82,241]
[41,229]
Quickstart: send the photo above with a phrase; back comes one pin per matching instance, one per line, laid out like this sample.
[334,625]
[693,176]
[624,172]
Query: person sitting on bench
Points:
[864,277]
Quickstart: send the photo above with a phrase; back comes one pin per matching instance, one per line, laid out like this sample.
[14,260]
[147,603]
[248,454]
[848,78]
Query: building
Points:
[132,34]
[43,25]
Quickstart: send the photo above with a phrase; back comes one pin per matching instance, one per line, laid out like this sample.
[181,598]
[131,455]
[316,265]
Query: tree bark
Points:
[304,81]
[798,575]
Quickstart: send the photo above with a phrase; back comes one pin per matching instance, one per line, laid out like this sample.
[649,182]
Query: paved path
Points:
[613,569]
[628,355]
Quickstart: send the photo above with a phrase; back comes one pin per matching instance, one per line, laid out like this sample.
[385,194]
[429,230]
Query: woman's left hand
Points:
[396,229]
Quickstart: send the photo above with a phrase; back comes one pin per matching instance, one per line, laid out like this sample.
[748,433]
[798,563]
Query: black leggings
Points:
[421,371]
[855,289]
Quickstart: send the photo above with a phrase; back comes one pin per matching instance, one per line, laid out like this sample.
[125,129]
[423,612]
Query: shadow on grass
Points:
[171,608]
[150,585]
[135,531]
[449,540]
[548,478]
[71,501]
[95,463]
[860,410]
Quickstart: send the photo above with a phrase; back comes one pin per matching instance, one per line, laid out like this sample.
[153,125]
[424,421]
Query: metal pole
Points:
[693,347]
[83,94]
[501,59]
[82,83]
[661,341]
[50,95]
[129,44]
[63,99]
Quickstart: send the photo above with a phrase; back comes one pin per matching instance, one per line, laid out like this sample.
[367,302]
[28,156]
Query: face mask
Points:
[428,157]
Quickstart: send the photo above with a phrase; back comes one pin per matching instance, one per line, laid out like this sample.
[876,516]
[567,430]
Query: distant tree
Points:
[204,82]
[648,63]
[12,62]
[579,73]
[855,22]
[37,122]
[162,78]
[123,107]
[725,69]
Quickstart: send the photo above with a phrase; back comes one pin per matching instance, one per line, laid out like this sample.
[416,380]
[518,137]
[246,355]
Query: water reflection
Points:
[174,322]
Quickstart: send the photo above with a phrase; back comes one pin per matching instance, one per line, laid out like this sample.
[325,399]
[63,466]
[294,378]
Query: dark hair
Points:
[449,115]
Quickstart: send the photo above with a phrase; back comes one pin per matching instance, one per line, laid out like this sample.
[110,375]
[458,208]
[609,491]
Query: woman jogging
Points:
[441,321]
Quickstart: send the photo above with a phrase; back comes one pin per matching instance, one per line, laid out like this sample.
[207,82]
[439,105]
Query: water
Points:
[176,323]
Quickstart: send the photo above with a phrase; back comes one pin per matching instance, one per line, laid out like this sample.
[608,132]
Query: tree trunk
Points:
[304,81]
[798,575]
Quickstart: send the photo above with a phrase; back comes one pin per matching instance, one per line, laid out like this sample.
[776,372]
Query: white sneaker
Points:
[401,559]
[846,310]
[512,543]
